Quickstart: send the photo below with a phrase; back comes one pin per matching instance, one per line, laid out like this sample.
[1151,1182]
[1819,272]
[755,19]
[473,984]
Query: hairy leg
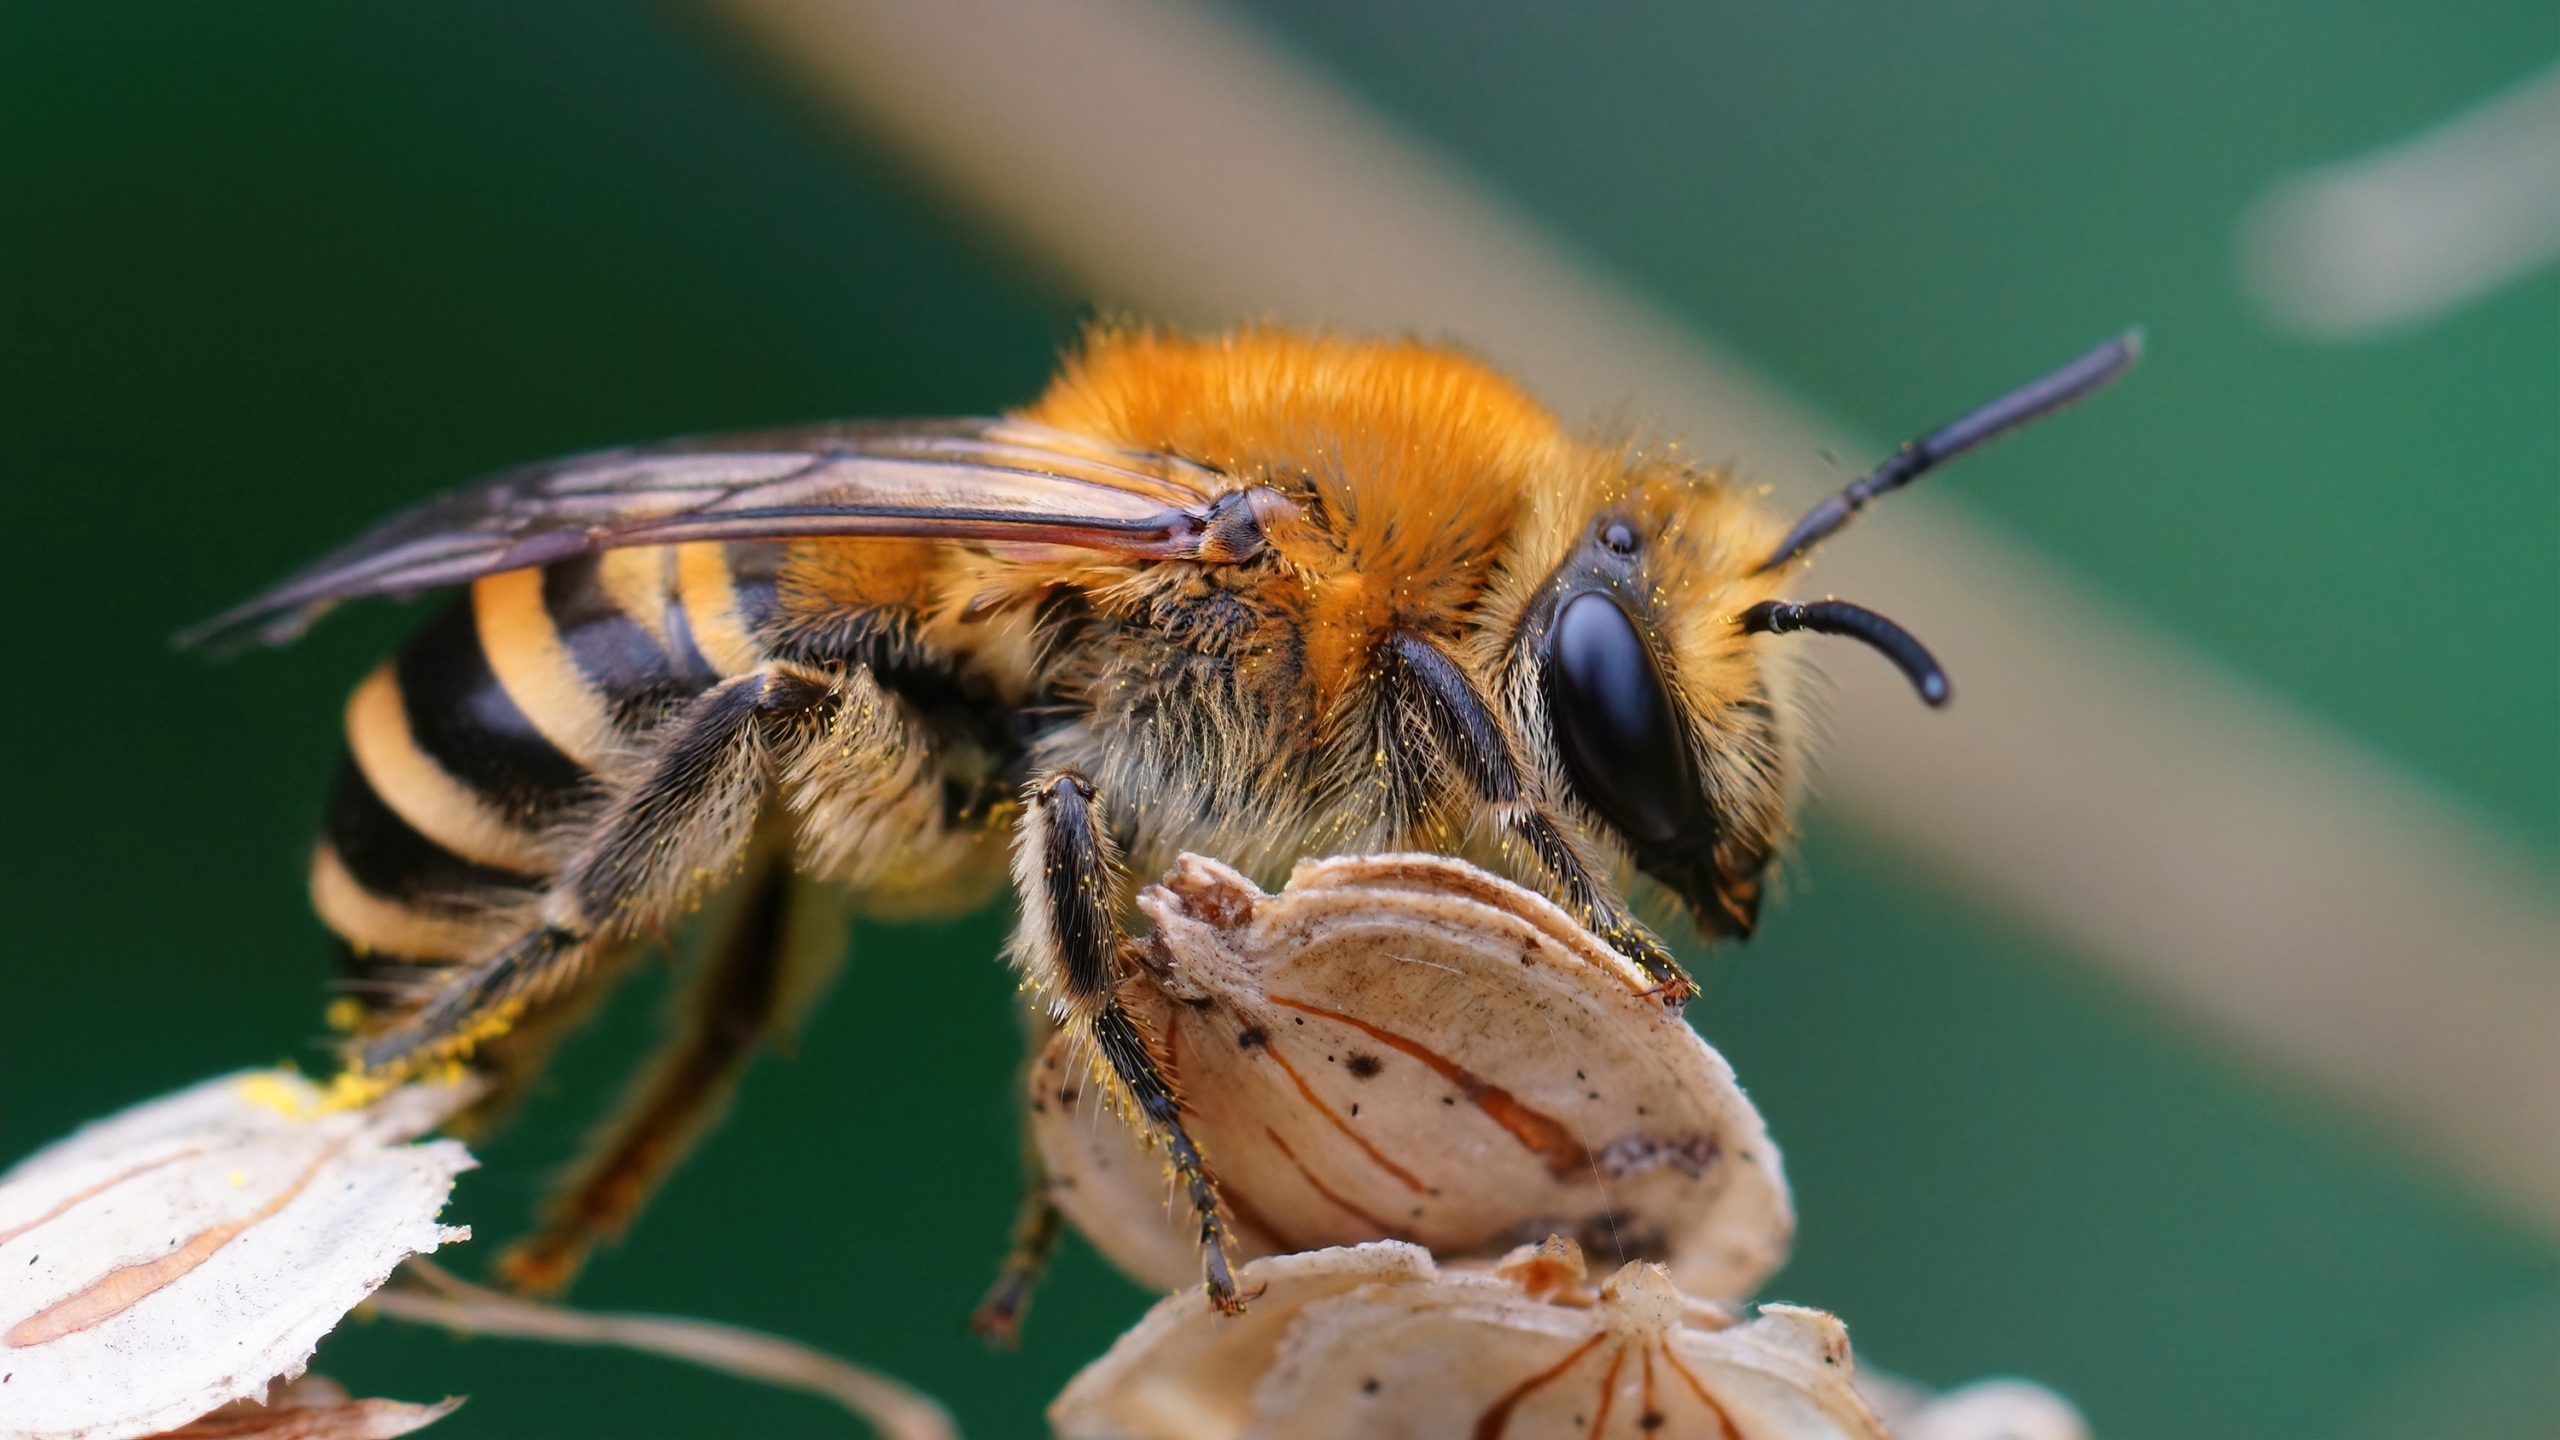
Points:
[757,951]
[1037,1224]
[1037,1228]
[682,827]
[513,1062]
[1070,943]
[1471,744]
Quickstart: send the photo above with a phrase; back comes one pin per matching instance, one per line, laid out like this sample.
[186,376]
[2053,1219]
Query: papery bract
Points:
[182,1254]
[1377,1341]
[1408,1048]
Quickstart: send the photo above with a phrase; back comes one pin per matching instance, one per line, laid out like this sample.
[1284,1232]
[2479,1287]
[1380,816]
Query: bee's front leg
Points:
[1067,873]
[1597,907]
[1474,748]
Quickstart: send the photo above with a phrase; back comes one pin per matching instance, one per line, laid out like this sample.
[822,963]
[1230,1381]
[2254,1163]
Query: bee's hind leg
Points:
[686,823]
[767,949]
[1067,872]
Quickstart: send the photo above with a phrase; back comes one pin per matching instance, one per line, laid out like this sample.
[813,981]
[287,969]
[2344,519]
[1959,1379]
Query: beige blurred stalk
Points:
[2388,241]
[893,1409]
[2214,848]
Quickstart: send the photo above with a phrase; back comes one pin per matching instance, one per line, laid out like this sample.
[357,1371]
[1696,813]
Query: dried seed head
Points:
[1408,1048]
[1550,1268]
[181,1254]
[1376,1340]
[311,1408]
[1641,1300]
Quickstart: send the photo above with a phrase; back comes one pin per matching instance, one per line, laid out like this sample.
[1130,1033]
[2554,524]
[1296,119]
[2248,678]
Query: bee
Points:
[1257,596]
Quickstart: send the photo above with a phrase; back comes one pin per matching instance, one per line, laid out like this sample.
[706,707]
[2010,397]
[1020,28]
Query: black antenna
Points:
[2079,379]
[1857,622]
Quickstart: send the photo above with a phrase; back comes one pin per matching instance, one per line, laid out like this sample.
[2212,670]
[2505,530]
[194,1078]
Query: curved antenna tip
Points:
[1856,622]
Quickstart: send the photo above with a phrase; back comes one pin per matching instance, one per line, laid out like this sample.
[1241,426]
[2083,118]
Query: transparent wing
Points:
[986,480]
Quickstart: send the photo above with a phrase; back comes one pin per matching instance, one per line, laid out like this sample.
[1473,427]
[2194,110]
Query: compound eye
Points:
[1613,721]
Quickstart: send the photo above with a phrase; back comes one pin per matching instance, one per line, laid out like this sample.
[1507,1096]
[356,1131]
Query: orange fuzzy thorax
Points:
[1412,462]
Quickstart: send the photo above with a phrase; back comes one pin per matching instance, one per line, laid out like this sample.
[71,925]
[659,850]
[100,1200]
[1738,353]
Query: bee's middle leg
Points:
[1038,1226]
[1068,874]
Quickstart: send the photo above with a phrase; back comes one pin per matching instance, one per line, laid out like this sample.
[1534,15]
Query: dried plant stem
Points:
[893,1409]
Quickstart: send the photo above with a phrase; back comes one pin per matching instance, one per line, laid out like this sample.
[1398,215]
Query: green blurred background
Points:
[267,272]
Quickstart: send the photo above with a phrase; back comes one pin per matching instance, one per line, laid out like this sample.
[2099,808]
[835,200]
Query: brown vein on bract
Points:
[1497,1417]
[1608,1392]
[1565,1157]
[120,1290]
[1411,1181]
[1700,1390]
[1395,1232]
[102,1186]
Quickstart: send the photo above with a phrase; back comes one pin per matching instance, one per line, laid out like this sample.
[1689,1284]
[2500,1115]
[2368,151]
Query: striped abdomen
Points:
[474,753]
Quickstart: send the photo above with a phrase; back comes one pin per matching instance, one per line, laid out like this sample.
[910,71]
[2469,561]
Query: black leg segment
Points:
[1474,748]
[1068,873]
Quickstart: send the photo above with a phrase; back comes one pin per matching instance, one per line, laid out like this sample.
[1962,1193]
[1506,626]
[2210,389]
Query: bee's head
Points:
[1640,680]
[1634,659]
[1645,700]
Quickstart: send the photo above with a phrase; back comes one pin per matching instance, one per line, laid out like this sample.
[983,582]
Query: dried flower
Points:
[311,1408]
[2002,1409]
[175,1265]
[1408,1048]
[180,1255]
[1377,1340]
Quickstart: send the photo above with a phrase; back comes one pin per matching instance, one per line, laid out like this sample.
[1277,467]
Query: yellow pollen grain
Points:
[280,1090]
